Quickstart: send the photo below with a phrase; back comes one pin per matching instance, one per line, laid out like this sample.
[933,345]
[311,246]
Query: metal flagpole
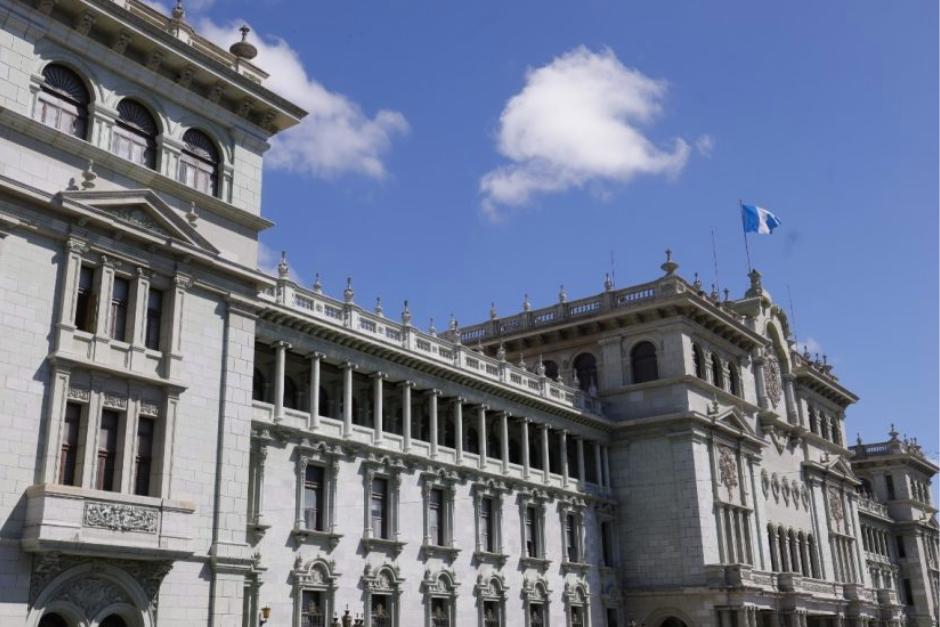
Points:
[747,248]
[715,259]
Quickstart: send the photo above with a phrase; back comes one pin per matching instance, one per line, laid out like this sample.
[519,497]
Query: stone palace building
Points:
[189,441]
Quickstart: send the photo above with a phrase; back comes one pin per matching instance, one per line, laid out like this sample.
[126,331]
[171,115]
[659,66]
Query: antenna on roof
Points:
[715,260]
[613,268]
[792,313]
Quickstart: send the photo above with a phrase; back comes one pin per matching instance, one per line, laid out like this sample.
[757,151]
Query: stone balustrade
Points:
[871,506]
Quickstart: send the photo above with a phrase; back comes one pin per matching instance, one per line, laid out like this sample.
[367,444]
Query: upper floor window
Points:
[120,295]
[69,453]
[313,498]
[585,367]
[378,508]
[144,458]
[698,362]
[85,301]
[135,134]
[107,451]
[63,100]
[643,362]
[734,380]
[199,163]
[717,372]
[154,318]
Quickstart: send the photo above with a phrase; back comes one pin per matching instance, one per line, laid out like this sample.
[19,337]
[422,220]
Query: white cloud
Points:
[705,145]
[577,121]
[336,137]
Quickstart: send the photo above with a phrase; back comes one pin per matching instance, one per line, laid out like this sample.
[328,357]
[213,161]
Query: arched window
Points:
[585,366]
[551,369]
[62,102]
[135,134]
[199,163]
[734,380]
[53,620]
[698,362]
[113,621]
[643,362]
[717,374]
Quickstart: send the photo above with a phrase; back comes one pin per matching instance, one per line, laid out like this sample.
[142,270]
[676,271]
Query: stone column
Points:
[581,478]
[432,410]
[348,368]
[458,429]
[377,408]
[406,414]
[173,351]
[545,452]
[300,469]
[314,403]
[759,381]
[789,397]
[525,448]
[139,298]
[723,549]
[481,434]
[504,441]
[564,458]
[280,361]
[597,463]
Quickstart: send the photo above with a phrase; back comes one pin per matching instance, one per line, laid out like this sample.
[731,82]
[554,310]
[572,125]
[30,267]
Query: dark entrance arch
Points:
[672,621]
[53,620]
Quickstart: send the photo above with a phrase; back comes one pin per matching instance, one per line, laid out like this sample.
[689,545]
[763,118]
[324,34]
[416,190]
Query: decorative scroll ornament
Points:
[118,517]
[115,401]
[772,379]
[835,505]
[93,594]
[78,393]
[728,469]
[765,481]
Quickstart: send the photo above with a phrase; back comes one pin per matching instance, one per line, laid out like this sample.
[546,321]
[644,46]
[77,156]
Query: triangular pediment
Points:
[140,209]
[734,420]
[840,466]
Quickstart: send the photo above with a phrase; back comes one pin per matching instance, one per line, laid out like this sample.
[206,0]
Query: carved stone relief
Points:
[727,469]
[119,517]
[772,379]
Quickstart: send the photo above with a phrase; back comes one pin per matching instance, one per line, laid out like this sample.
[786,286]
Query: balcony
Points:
[78,520]
[872,507]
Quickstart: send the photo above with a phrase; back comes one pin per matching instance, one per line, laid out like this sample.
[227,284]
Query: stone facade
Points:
[189,441]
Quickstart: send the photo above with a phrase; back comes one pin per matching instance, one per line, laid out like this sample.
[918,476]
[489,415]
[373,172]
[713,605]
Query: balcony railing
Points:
[872,507]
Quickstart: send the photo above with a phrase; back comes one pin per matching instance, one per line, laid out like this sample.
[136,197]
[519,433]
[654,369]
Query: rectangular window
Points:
[440,613]
[577,616]
[908,593]
[381,610]
[436,517]
[611,618]
[889,486]
[313,498]
[901,551]
[312,612]
[143,460]
[605,544]
[487,535]
[119,297]
[85,302]
[154,318]
[379,508]
[536,615]
[107,450]
[69,457]
[531,535]
[571,537]
[492,617]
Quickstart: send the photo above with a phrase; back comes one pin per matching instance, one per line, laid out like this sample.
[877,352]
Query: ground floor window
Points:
[440,613]
[313,611]
[536,615]
[381,610]
[491,614]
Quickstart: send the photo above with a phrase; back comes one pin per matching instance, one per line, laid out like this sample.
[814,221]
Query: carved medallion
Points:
[772,379]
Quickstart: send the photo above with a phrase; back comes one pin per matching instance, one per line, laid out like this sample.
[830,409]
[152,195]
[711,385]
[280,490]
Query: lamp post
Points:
[265,615]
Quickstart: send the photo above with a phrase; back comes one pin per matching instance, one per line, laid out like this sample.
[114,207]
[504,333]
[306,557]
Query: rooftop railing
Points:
[378,328]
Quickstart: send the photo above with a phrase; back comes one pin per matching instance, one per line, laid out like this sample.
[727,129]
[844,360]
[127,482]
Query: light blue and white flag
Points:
[758,220]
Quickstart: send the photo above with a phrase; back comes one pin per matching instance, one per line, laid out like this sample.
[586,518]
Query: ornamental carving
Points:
[772,379]
[385,580]
[775,486]
[93,594]
[140,219]
[78,393]
[148,408]
[765,481]
[727,469]
[785,489]
[319,573]
[118,517]
[835,505]
[115,401]
[491,586]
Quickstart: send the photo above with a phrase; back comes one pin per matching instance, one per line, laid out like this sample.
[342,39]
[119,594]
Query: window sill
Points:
[315,535]
[485,557]
[535,562]
[257,529]
[446,552]
[575,567]
[383,544]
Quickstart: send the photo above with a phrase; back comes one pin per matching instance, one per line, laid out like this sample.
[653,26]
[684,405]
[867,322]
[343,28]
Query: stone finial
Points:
[806,354]
[431,329]
[608,282]
[178,13]
[714,294]
[521,363]
[379,311]
[697,284]
[89,176]
[492,311]
[191,215]
[242,49]
[348,293]
[526,305]
[562,295]
[452,324]
[575,381]
[540,367]
[727,295]
[858,438]
[501,352]
[893,433]
[317,284]
[670,266]
[406,315]
[282,268]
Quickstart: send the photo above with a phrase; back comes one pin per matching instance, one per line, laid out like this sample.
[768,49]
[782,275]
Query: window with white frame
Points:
[314,589]
[532,515]
[62,101]
[535,596]
[134,136]
[440,595]
[438,490]
[199,162]
[491,594]
[382,586]
[317,469]
[488,507]
[382,479]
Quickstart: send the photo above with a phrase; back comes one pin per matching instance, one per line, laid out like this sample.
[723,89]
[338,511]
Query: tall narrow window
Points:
[436,516]
[199,162]
[492,617]
[900,543]
[908,593]
[69,456]
[107,450]
[379,508]
[698,362]
[734,380]
[571,537]
[85,302]
[119,297]
[135,134]
[440,613]
[144,459]
[380,610]
[62,102]
[531,532]
[585,366]
[889,485]
[154,318]
[312,612]
[313,497]
[577,616]
[536,615]
[717,372]
[487,539]
[643,362]
[611,617]
[606,553]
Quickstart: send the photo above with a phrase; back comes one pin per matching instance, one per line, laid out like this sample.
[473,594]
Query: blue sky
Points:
[826,113]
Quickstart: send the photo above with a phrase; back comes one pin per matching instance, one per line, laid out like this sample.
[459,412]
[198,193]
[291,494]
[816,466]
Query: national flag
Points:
[758,220]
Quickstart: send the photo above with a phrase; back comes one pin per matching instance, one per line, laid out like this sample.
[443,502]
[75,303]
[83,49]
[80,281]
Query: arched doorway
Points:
[672,621]
[53,620]
[113,621]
